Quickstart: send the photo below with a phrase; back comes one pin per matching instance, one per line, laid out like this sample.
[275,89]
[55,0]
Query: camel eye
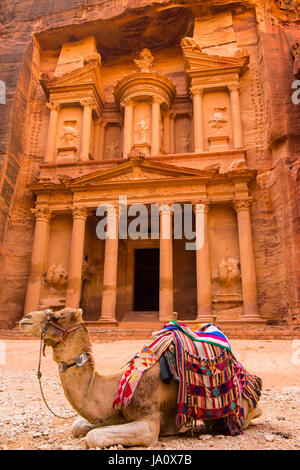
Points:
[54,319]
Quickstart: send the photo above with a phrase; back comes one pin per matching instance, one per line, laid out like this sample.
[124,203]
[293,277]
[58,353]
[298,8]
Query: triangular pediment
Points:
[137,171]
[88,75]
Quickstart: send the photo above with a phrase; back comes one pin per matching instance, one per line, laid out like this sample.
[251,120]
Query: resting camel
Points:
[152,410]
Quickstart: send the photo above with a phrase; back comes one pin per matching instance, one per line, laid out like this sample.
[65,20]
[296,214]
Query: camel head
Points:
[63,320]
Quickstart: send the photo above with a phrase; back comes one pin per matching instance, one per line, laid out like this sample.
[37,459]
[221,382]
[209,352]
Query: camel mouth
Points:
[24,323]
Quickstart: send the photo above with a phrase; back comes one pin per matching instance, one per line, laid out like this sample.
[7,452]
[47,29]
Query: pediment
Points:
[87,75]
[133,171]
[198,61]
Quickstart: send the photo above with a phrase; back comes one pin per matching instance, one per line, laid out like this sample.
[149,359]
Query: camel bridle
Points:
[80,360]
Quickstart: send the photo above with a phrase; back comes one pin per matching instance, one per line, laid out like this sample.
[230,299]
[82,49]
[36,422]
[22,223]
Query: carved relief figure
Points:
[295,50]
[56,277]
[113,149]
[69,134]
[229,271]
[190,42]
[218,120]
[142,131]
[145,61]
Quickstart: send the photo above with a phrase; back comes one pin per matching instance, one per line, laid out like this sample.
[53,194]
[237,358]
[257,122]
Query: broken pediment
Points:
[86,78]
[196,61]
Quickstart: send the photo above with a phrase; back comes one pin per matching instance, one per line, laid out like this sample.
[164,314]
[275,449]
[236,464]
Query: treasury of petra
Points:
[190,107]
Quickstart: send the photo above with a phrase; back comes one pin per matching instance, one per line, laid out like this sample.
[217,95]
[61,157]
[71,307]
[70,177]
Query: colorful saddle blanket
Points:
[211,381]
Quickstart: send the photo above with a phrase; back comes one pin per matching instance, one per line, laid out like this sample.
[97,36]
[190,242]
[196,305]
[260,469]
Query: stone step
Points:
[136,331]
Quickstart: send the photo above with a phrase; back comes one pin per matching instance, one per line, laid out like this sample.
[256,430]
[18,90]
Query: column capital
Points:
[205,206]
[234,86]
[242,204]
[126,102]
[86,102]
[165,209]
[157,99]
[53,105]
[103,124]
[79,212]
[42,213]
[172,114]
[196,90]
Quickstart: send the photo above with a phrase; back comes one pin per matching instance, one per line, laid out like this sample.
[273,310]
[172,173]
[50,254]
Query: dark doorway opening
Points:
[146,280]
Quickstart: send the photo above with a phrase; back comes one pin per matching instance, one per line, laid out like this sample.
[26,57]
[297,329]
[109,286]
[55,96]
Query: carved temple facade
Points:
[174,126]
[152,146]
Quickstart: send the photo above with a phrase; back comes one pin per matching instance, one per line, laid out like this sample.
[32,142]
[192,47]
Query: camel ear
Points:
[77,316]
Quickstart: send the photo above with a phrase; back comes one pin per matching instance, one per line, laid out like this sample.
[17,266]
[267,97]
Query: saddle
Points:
[211,382]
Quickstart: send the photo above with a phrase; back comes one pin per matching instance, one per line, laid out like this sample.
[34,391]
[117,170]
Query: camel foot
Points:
[137,433]
[81,427]
[252,414]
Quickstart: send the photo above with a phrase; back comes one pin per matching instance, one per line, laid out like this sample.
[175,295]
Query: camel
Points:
[152,410]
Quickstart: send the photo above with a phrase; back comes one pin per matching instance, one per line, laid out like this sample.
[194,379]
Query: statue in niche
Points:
[113,149]
[218,120]
[295,50]
[184,142]
[145,61]
[142,131]
[229,272]
[56,277]
[69,134]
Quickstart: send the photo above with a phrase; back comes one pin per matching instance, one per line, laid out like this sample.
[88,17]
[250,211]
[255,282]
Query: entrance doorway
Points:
[146,280]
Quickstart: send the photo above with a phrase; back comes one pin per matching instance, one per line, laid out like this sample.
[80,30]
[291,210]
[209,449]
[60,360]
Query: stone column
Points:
[101,140]
[165,264]
[128,127]
[97,139]
[76,257]
[167,132]
[109,291]
[39,247]
[52,132]
[197,93]
[155,126]
[237,132]
[86,128]
[172,116]
[242,207]
[203,271]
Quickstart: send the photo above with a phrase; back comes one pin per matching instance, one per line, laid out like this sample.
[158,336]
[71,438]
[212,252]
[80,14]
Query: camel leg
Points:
[137,433]
[81,427]
[250,413]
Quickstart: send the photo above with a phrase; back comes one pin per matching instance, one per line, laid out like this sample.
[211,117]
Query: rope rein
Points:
[39,373]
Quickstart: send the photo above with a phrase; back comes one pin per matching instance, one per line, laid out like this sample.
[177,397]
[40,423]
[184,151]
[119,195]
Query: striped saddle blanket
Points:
[211,382]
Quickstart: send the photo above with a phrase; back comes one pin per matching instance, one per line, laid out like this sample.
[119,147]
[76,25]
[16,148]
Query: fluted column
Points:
[128,127]
[39,247]
[76,257]
[52,132]
[197,94]
[109,291]
[167,132]
[242,207]
[155,126]
[172,116]
[86,128]
[237,132]
[165,264]
[203,271]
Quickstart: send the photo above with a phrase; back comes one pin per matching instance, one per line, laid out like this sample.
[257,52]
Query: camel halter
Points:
[79,361]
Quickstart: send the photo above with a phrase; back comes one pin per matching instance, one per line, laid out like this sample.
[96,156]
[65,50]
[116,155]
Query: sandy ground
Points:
[25,422]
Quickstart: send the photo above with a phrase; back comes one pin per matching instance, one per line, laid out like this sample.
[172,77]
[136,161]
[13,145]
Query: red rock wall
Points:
[275,128]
